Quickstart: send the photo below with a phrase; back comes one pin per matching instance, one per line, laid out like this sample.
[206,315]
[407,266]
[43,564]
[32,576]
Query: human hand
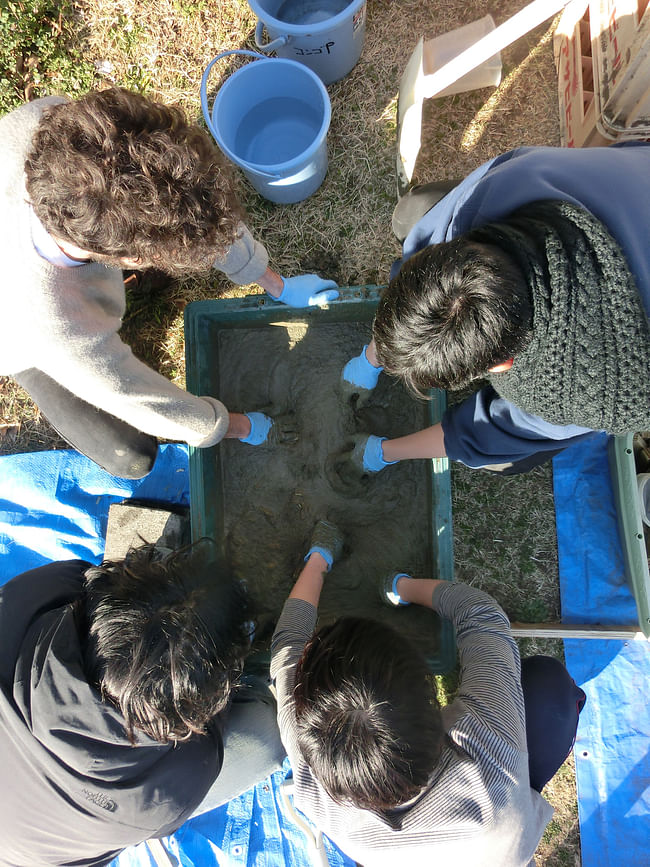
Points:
[270,431]
[388,589]
[367,455]
[349,471]
[326,540]
[359,378]
[307,290]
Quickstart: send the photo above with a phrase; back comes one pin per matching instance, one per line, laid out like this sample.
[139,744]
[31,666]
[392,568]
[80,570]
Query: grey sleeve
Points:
[246,260]
[490,683]
[294,629]
[106,374]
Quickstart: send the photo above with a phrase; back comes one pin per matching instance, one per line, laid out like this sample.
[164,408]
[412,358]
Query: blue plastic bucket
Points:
[271,119]
[325,35]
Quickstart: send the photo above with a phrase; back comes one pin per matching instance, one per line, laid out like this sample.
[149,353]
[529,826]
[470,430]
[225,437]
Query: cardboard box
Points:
[572,48]
[618,30]
[620,36]
[602,56]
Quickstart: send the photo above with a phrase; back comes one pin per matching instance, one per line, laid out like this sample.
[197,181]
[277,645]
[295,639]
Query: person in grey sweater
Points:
[90,186]
[379,766]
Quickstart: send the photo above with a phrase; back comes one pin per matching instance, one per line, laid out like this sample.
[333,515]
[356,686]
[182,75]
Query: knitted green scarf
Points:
[588,362]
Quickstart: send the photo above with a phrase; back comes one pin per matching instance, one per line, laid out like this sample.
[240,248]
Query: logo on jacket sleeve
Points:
[100,800]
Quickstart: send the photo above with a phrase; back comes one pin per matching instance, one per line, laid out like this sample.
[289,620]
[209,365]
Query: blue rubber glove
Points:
[368,454]
[327,541]
[260,426]
[373,455]
[358,380]
[276,431]
[388,589]
[307,290]
[360,372]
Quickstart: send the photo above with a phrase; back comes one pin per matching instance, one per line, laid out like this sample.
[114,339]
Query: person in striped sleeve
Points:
[379,766]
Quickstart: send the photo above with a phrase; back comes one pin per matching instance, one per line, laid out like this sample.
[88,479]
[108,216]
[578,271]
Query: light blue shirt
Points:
[46,246]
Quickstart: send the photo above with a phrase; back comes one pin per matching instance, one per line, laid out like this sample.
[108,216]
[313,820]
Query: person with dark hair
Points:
[108,181]
[379,766]
[119,685]
[534,274]
[357,678]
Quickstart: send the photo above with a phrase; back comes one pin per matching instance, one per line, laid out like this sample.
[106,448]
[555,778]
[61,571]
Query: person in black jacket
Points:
[115,686]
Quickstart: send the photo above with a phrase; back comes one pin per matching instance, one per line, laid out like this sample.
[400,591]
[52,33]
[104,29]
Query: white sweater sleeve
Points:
[108,376]
[246,260]
[74,340]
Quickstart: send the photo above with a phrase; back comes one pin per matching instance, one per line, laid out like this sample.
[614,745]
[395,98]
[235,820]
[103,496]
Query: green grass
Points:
[126,38]
[40,51]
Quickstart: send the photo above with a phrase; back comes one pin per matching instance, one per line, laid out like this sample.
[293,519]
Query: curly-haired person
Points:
[108,181]
[533,273]
[123,708]
[384,771]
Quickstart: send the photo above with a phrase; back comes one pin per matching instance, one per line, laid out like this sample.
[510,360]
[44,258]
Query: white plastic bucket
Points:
[325,35]
[271,119]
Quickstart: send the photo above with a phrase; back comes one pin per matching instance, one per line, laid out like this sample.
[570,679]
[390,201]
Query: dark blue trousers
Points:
[553,703]
[111,443]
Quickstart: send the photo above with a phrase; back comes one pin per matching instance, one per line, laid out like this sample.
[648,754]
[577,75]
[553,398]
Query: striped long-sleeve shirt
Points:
[479,808]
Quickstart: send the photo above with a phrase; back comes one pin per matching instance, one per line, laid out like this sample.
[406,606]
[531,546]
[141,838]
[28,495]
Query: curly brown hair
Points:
[120,175]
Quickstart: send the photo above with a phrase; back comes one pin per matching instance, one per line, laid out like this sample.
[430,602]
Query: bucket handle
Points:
[270,46]
[204,96]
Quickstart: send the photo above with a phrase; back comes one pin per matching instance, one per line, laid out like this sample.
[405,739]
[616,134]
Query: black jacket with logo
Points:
[74,791]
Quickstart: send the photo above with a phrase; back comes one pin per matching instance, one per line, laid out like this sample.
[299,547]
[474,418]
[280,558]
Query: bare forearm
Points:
[417,590]
[309,584]
[427,443]
[371,354]
[239,426]
[271,282]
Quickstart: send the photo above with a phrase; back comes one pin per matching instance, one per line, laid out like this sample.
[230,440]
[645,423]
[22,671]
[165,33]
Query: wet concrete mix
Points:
[273,496]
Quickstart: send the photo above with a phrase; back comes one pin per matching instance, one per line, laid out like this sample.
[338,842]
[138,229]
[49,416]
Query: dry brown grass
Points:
[560,845]
[504,528]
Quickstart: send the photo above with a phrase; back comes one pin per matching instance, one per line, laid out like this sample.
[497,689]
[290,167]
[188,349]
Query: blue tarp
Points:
[54,506]
[250,831]
[612,749]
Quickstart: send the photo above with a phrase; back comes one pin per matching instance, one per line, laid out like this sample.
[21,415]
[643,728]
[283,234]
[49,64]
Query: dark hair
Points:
[119,175]
[453,311]
[165,638]
[367,716]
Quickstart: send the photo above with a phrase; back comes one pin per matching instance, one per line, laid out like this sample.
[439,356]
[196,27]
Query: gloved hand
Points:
[359,378]
[268,431]
[307,290]
[326,540]
[260,426]
[367,454]
[388,589]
